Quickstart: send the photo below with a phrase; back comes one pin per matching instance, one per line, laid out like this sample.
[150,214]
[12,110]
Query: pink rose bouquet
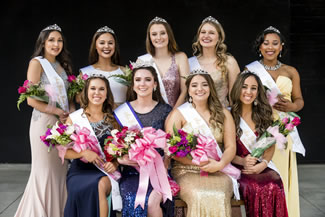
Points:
[76,84]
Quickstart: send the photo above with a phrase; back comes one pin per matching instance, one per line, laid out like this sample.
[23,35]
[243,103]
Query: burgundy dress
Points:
[263,193]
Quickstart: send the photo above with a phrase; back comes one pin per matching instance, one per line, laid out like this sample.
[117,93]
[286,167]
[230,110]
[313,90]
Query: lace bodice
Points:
[101,128]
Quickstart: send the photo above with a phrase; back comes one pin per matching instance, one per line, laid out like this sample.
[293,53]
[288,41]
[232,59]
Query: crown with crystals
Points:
[271,28]
[106,29]
[141,63]
[158,19]
[210,19]
[96,75]
[52,27]
[198,72]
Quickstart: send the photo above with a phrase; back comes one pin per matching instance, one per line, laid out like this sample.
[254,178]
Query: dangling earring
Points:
[190,99]
[280,55]
[255,102]
[154,89]
[260,55]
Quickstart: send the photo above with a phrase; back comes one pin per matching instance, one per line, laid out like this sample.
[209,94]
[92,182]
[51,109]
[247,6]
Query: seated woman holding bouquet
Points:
[260,184]
[145,107]
[87,185]
[209,194]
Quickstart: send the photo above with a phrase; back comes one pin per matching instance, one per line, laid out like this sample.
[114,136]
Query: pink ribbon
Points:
[151,164]
[53,96]
[272,96]
[280,138]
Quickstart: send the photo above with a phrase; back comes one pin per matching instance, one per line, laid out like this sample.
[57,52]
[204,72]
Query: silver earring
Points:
[280,55]
[255,102]
[260,55]
[155,88]
[190,99]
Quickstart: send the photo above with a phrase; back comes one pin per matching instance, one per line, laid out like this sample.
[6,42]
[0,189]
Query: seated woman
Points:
[145,107]
[260,184]
[87,186]
[204,195]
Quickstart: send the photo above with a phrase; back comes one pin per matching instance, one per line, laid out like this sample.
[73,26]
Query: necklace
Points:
[271,68]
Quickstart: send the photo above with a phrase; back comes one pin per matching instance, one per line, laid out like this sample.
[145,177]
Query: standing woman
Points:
[260,183]
[210,54]
[145,107]
[203,113]
[104,59]
[170,64]
[284,79]
[45,193]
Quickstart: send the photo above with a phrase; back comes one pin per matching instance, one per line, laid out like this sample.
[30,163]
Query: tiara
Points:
[198,72]
[96,75]
[106,29]
[271,28]
[52,27]
[158,19]
[210,19]
[141,63]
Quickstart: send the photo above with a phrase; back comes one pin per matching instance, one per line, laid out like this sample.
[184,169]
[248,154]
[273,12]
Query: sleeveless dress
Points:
[204,195]
[263,193]
[118,90]
[130,177]
[82,181]
[286,161]
[45,193]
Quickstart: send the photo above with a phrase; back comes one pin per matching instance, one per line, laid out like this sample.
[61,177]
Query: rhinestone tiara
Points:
[198,72]
[158,19]
[140,63]
[106,29]
[210,19]
[271,28]
[96,75]
[52,27]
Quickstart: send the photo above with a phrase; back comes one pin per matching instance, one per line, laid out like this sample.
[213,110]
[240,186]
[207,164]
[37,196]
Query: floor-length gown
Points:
[45,193]
[130,177]
[263,193]
[204,195]
[82,181]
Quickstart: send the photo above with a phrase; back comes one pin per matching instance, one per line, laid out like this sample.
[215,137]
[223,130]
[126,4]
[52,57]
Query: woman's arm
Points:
[183,67]
[233,71]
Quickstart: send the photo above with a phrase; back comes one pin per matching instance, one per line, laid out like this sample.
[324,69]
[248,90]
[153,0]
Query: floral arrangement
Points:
[76,84]
[126,78]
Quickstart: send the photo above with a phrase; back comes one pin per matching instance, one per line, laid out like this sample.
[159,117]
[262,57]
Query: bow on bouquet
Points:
[37,91]
[76,84]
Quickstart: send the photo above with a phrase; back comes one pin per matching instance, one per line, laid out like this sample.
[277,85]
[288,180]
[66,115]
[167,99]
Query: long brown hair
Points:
[108,104]
[215,107]
[221,47]
[262,112]
[64,56]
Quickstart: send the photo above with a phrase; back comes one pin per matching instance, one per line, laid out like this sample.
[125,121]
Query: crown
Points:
[210,19]
[96,75]
[271,28]
[141,63]
[52,27]
[158,19]
[106,29]
[198,72]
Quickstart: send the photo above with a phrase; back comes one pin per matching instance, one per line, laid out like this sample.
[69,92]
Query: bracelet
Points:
[265,161]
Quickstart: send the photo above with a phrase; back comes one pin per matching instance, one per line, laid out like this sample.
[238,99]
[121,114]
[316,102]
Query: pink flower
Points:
[168,136]
[26,83]
[71,78]
[296,121]
[84,77]
[290,126]
[131,67]
[285,120]
[22,90]
[172,149]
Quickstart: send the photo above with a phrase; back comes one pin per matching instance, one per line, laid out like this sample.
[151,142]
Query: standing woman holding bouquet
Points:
[45,193]
[145,107]
[87,186]
[170,64]
[210,54]
[203,113]
[284,79]
[104,59]
[260,183]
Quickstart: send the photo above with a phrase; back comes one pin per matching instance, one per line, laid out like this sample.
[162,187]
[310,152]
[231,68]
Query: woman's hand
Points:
[125,160]
[284,105]
[257,169]
[61,114]
[92,157]
[110,167]
[249,161]
[212,166]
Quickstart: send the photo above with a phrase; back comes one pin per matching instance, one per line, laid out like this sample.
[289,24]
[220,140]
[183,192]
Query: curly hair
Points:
[214,105]
[108,104]
[64,57]
[221,47]
[262,112]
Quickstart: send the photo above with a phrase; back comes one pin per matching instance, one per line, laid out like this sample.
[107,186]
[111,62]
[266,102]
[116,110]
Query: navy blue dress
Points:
[82,182]
[130,177]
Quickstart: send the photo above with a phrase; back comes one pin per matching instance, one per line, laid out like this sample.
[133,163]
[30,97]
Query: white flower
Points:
[69,130]
[113,132]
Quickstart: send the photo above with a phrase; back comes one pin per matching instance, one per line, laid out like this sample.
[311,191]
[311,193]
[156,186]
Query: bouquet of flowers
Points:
[181,144]
[276,134]
[76,84]
[126,78]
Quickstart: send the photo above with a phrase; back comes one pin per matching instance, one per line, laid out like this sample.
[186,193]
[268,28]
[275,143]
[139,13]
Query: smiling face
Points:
[97,91]
[105,45]
[158,36]
[53,44]
[144,83]
[271,46]
[208,36]
[199,89]
[249,91]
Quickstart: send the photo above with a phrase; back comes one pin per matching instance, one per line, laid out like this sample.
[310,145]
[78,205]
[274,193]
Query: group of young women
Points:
[166,90]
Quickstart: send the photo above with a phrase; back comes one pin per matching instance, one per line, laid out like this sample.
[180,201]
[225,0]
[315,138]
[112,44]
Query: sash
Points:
[194,63]
[56,82]
[79,118]
[248,138]
[199,125]
[148,58]
[125,116]
[268,81]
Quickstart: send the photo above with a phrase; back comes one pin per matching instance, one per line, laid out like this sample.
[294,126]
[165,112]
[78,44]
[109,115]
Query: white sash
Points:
[125,116]
[199,125]
[56,83]
[268,81]
[81,119]
[148,58]
[194,63]
[248,138]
